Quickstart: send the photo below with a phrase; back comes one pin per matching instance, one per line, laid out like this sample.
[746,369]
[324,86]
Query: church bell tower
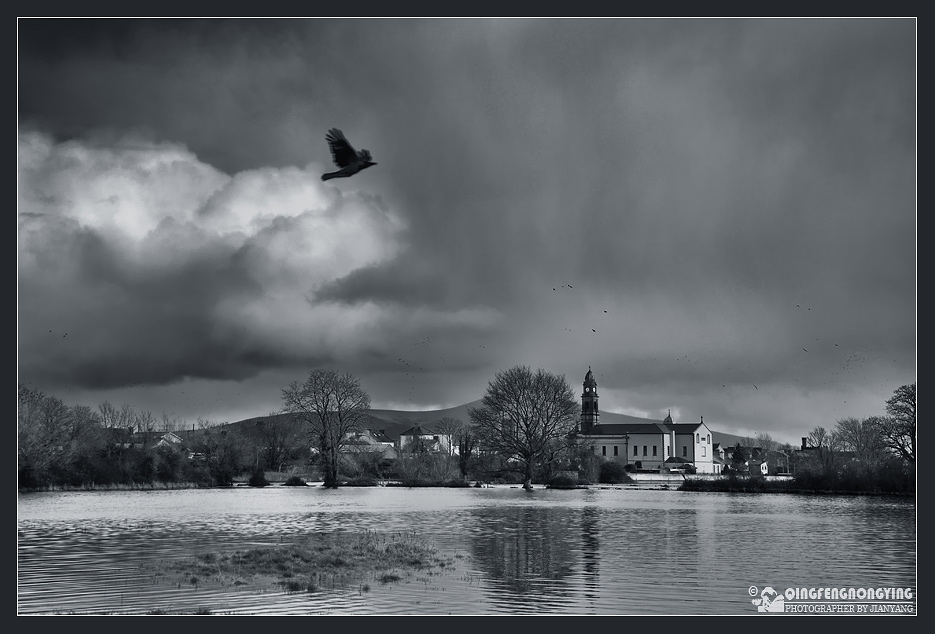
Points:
[589,412]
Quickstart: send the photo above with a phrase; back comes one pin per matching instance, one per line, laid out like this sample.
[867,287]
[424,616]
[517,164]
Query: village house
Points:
[370,441]
[651,446]
[425,439]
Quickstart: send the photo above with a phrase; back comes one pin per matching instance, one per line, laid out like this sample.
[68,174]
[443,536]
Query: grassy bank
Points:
[308,563]
[761,485]
[136,486]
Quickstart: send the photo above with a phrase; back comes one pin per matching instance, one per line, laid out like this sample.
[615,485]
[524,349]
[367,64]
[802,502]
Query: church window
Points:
[684,451]
[654,451]
[636,450]
[644,450]
[704,452]
[615,450]
[604,451]
[697,437]
[709,439]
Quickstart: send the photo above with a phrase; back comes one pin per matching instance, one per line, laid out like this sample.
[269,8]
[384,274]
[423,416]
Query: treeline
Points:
[858,455]
[76,446]
[870,454]
[417,465]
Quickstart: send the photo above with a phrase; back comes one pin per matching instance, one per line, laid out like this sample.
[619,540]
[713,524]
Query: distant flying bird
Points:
[804,349]
[345,156]
[756,387]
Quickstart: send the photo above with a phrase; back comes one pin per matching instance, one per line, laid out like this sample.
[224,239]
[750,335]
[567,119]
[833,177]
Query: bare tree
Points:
[127,416]
[276,436]
[766,443]
[108,415]
[451,427]
[523,414]
[898,429]
[466,440]
[863,438]
[204,423]
[827,444]
[331,404]
[51,436]
[168,423]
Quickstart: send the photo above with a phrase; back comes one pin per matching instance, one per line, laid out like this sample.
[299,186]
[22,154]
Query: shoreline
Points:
[687,486]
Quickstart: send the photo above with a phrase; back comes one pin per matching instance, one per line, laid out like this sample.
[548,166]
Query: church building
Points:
[654,446]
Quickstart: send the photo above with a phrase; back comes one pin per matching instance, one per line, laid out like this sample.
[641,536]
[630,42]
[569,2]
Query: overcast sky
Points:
[717,216]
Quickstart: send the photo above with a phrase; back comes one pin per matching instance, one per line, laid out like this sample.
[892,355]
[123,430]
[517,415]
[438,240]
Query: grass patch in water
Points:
[311,562]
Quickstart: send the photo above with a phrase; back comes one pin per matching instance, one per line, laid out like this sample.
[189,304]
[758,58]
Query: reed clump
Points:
[311,562]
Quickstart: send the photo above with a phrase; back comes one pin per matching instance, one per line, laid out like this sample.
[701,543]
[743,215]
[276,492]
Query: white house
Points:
[369,441]
[431,440]
[654,446]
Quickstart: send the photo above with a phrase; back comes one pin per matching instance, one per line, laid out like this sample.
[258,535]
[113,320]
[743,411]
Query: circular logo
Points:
[753,591]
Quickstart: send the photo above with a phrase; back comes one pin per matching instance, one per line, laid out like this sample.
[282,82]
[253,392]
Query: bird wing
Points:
[341,151]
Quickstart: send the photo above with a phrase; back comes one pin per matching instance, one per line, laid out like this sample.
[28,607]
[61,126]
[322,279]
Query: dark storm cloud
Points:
[139,264]
[696,179]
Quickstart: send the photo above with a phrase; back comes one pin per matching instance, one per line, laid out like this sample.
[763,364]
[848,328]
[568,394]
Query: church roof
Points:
[685,428]
[619,429]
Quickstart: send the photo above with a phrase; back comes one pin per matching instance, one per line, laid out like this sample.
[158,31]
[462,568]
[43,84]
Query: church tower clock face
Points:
[589,408]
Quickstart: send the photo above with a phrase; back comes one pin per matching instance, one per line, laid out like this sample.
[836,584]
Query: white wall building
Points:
[431,441]
[655,446]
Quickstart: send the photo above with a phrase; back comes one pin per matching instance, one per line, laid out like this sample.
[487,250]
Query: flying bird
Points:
[345,156]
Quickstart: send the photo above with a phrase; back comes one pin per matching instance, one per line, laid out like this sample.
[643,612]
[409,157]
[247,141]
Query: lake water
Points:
[599,551]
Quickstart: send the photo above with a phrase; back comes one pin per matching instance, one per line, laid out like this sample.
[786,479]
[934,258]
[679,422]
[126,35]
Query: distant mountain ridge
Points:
[394,422]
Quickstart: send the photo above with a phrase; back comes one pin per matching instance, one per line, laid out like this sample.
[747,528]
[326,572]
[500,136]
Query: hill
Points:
[394,422]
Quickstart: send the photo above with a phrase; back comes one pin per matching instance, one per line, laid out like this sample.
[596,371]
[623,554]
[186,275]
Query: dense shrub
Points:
[295,481]
[258,479]
[563,482]
[613,472]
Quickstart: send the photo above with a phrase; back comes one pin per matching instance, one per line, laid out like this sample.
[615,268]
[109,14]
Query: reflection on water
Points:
[590,553]
[596,551]
[524,550]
